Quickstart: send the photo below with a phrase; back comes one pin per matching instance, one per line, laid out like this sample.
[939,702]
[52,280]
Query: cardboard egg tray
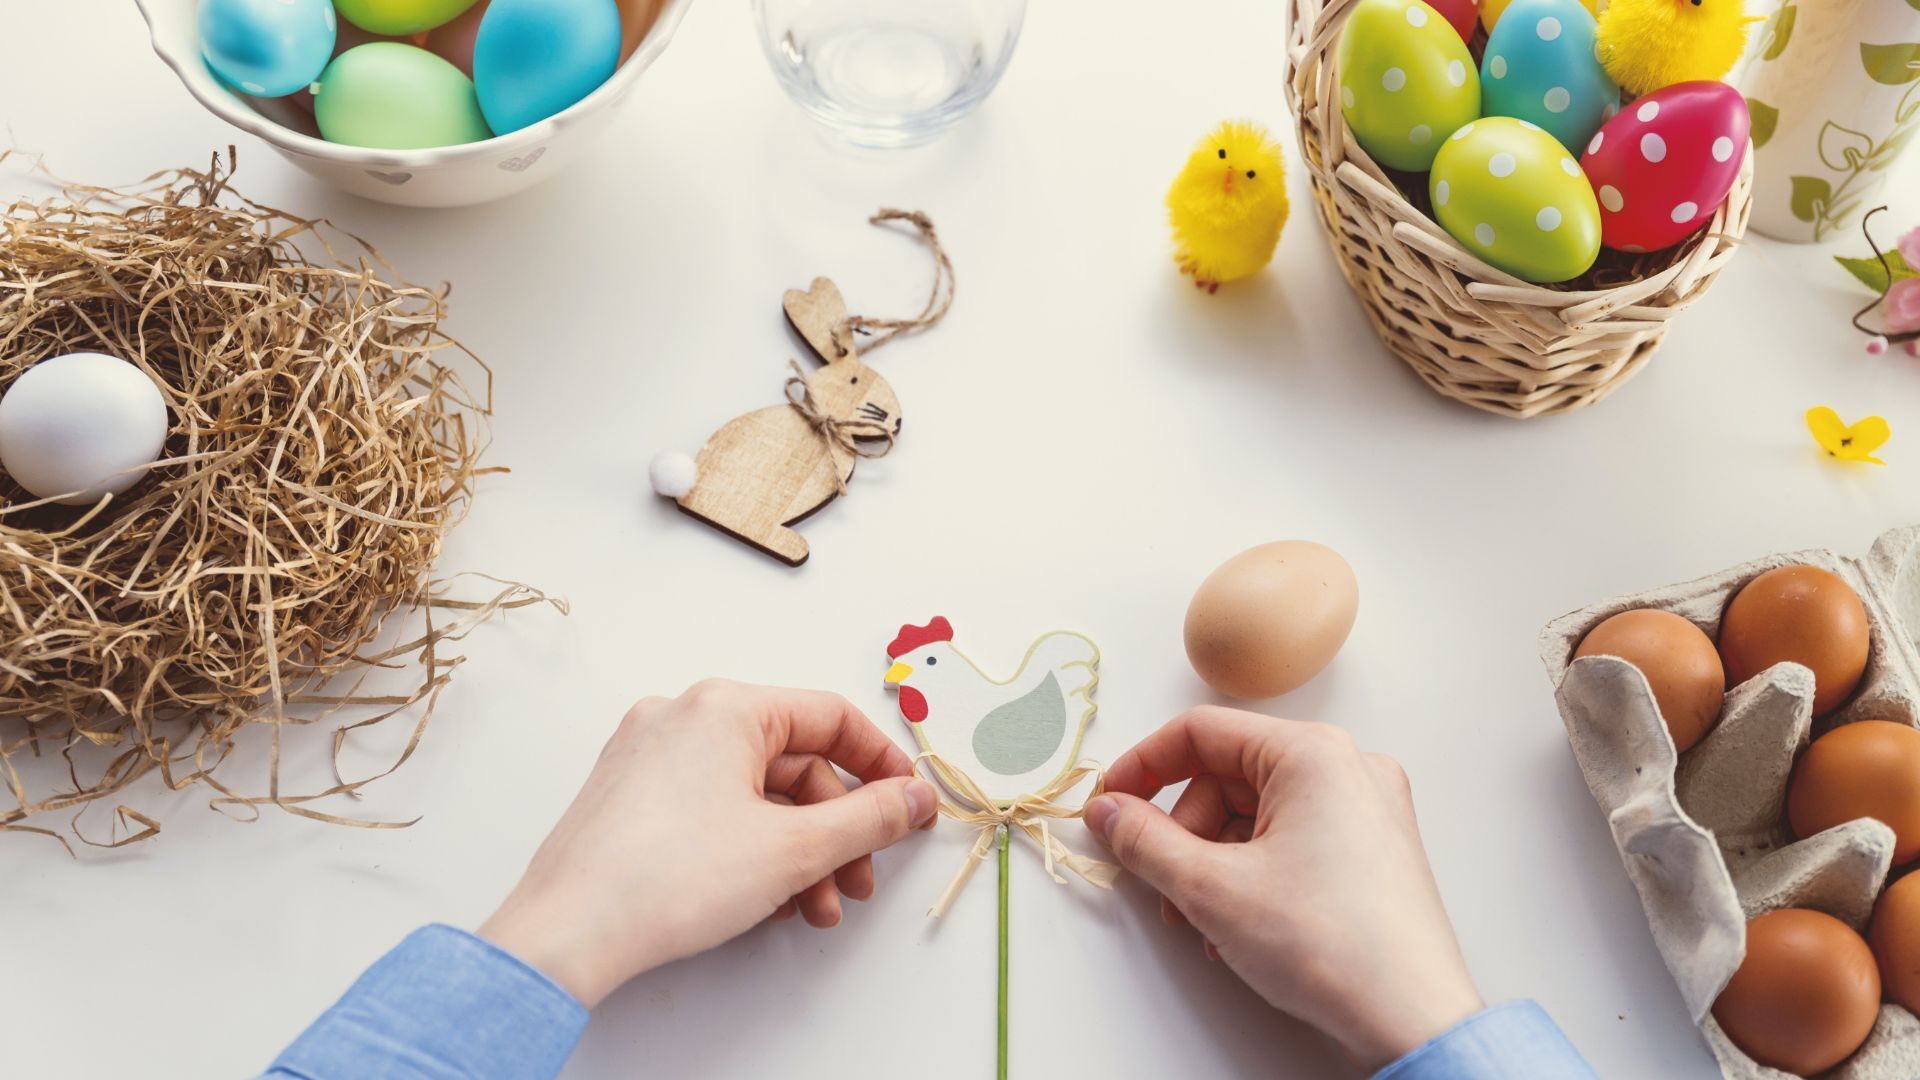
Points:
[1704,834]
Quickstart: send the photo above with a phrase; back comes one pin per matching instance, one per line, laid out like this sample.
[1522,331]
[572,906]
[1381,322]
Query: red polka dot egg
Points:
[1664,164]
[1462,15]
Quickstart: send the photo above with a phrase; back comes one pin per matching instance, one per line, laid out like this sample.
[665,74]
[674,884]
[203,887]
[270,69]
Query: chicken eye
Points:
[932,660]
[1223,155]
[1249,174]
[855,380]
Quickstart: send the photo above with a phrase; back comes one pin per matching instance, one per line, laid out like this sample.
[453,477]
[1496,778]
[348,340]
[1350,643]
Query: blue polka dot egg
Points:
[1512,195]
[1406,81]
[1539,66]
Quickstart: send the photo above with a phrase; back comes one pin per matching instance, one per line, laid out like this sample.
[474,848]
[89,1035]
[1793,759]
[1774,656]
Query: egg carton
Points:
[1703,834]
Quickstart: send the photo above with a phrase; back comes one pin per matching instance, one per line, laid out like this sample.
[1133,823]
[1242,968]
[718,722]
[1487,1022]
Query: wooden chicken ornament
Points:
[1006,751]
[763,472]
[1014,736]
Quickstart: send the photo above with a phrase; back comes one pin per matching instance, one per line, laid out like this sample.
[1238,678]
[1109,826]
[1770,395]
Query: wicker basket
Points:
[1476,334]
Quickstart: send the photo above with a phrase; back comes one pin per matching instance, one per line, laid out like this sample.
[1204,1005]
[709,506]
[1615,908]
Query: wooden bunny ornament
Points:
[764,472]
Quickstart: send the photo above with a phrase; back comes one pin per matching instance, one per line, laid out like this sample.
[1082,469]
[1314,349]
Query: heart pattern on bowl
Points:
[524,161]
[394,178]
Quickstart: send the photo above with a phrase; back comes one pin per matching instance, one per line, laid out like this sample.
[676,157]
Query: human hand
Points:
[705,815]
[1298,857]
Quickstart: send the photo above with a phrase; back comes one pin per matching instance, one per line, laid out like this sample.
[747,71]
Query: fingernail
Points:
[921,802]
[1099,815]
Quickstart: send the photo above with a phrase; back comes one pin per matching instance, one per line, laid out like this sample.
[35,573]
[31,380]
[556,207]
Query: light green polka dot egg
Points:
[1406,81]
[1511,194]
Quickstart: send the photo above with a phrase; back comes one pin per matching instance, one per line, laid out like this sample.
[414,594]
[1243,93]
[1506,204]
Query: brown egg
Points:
[1806,994]
[1270,618]
[1678,660]
[1866,769]
[1803,614]
[1895,937]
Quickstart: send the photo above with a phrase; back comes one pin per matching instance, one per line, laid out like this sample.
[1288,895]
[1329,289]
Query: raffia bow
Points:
[1028,813]
[841,436]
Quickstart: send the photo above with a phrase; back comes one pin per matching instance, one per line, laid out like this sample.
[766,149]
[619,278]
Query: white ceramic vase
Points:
[1834,88]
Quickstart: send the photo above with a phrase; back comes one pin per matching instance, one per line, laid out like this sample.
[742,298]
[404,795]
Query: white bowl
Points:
[441,176]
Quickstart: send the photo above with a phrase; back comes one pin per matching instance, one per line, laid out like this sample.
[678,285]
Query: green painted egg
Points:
[398,18]
[393,96]
[1511,194]
[1406,81]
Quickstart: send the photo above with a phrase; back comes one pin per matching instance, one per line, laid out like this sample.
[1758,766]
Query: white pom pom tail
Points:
[673,473]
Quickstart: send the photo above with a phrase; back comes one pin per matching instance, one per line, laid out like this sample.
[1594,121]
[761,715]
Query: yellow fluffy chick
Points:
[1648,44]
[1228,204]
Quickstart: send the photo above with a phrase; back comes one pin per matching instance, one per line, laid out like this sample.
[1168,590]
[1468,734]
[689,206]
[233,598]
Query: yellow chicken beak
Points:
[898,673]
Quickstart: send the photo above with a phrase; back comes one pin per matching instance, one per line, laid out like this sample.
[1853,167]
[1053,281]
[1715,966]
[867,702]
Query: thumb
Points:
[1149,843]
[864,820]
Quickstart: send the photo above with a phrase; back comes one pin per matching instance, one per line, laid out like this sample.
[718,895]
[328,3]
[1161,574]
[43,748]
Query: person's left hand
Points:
[705,815]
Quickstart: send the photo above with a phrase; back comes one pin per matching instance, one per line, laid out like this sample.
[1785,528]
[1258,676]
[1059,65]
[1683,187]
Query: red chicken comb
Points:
[912,637]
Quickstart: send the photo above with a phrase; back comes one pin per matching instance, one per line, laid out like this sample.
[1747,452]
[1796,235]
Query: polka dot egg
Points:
[1492,10]
[1512,195]
[1407,82]
[1539,65]
[1664,165]
[1462,15]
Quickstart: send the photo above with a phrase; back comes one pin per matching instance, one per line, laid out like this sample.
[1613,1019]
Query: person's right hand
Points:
[1298,857]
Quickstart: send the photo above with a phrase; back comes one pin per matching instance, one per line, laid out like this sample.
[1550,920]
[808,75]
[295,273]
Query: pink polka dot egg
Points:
[1664,164]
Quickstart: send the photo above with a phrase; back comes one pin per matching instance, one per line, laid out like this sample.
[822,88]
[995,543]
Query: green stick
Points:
[1003,953]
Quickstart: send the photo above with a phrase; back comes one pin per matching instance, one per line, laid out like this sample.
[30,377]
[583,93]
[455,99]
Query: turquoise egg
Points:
[267,48]
[1511,194]
[1539,66]
[1406,81]
[533,58]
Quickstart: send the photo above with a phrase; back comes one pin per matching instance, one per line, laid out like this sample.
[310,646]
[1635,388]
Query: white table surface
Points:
[1086,437]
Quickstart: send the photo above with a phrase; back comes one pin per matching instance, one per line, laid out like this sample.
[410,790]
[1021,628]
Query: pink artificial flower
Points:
[1910,247]
[1902,306]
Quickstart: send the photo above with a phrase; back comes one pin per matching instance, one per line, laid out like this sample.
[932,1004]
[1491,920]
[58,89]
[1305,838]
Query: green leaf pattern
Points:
[1765,118]
[1825,203]
[1779,30]
[1809,198]
[1894,65]
[1842,149]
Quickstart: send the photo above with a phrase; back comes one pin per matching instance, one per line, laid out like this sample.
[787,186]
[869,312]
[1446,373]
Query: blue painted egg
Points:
[533,58]
[267,48]
[1539,67]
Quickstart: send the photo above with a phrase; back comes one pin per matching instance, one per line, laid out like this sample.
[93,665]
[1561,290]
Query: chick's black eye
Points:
[1249,174]
[1223,155]
[932,660]
[855,380]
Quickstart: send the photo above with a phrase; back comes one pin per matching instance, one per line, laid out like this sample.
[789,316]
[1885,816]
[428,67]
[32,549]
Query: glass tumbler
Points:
[889,73]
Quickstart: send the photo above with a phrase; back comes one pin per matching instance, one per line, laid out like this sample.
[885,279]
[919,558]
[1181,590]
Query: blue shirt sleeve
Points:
[1514,1041]
[443,1005]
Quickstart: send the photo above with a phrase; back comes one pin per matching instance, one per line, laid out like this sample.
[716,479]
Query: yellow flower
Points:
[1848,442]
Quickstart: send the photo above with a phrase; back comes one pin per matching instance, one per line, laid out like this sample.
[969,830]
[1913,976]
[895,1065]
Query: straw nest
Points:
[1473,333]
[319,450]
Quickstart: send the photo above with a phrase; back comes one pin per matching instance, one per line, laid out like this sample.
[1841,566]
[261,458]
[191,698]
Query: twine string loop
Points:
[939,298]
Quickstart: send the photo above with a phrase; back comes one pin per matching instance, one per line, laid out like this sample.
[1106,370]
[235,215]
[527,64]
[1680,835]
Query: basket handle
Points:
[1312,30]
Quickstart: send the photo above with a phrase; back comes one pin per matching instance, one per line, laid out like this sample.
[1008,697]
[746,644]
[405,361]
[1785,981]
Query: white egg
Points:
[80,426]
